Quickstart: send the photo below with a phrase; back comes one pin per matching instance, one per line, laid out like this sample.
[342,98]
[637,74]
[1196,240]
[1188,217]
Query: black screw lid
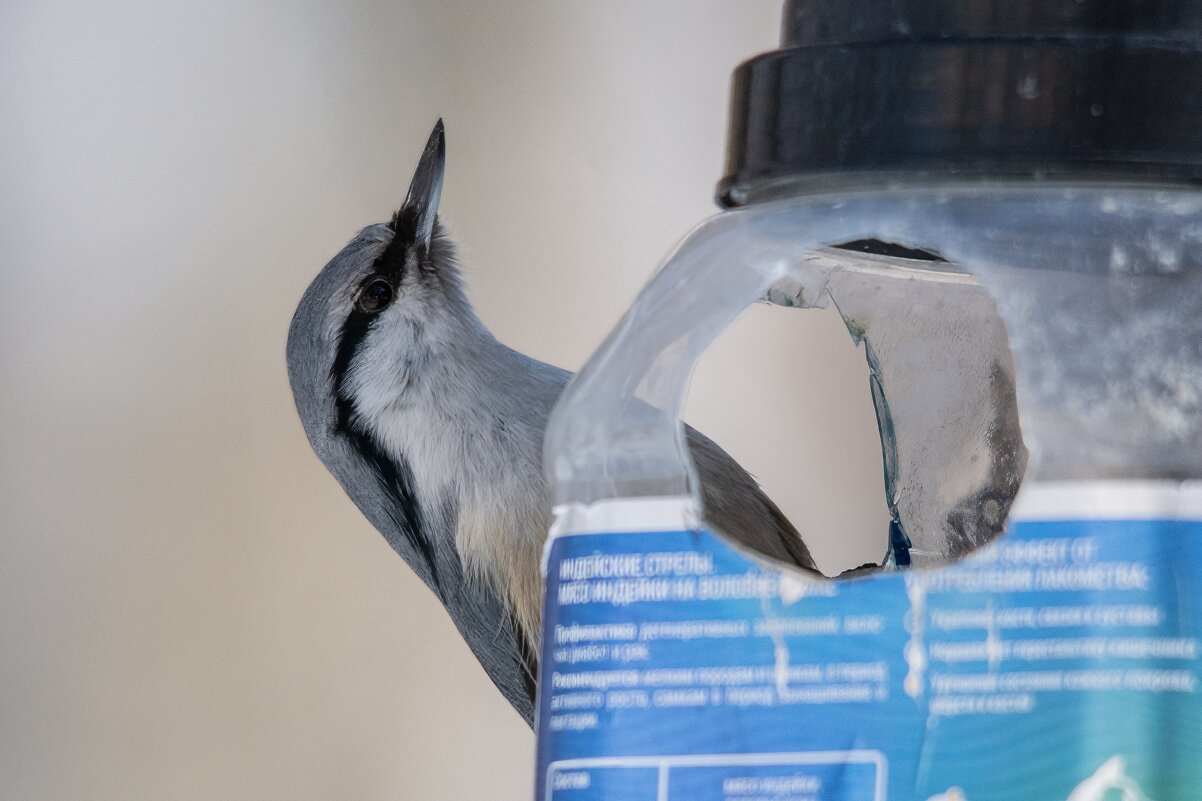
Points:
[875,90]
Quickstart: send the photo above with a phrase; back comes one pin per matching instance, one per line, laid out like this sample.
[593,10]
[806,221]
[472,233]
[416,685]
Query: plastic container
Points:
[1027,285]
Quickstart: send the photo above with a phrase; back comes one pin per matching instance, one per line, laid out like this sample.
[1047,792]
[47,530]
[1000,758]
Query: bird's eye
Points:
[375,297]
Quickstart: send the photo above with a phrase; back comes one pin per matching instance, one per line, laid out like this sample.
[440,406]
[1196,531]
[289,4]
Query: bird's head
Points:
[379,313]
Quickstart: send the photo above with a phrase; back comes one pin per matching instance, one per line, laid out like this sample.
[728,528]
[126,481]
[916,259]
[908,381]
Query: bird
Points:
[434,429]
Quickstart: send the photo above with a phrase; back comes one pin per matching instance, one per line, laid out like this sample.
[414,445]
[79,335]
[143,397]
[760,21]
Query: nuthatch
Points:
[435,431]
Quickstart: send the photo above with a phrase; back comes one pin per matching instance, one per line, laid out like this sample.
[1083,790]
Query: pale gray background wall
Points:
[189,606]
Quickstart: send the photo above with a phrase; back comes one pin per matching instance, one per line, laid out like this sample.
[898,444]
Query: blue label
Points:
[1059,664]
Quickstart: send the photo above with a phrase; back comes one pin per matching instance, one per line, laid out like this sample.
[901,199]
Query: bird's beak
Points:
[425,190]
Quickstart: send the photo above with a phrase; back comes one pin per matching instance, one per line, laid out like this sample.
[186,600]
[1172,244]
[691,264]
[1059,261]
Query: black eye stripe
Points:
[391,263]
[389,266]
[354,331]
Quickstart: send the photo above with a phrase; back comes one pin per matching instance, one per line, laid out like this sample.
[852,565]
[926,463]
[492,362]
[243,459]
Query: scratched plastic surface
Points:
[1099,291]
[1058,340]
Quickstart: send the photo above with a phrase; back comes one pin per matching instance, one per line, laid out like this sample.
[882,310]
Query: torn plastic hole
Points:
[816,455]
[949,445]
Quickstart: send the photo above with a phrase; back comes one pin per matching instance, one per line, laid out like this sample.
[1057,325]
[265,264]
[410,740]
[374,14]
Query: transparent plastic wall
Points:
[1057,335]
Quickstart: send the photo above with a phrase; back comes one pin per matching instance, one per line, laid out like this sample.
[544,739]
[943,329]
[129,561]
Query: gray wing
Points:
[490,631]
[734,504]
[731,498]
